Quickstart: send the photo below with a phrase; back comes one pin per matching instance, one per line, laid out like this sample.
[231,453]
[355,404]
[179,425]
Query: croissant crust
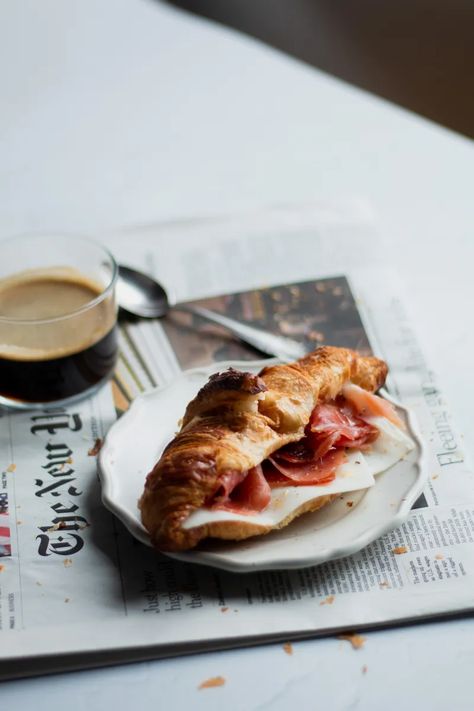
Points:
[234,423]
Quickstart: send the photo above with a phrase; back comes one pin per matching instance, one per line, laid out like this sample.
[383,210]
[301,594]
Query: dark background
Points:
[416,53]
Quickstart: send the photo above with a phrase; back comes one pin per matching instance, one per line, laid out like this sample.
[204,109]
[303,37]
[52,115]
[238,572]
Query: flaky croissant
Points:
[236,421]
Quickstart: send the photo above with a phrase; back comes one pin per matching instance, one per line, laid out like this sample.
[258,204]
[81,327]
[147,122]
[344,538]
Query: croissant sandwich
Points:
[256,451]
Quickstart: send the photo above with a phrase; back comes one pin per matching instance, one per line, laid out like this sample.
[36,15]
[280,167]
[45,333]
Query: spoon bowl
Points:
[140,295]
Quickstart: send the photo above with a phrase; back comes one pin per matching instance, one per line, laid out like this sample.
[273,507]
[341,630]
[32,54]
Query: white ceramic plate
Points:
[135,442]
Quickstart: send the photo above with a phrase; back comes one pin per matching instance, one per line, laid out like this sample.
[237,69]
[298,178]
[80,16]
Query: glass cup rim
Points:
[82,309]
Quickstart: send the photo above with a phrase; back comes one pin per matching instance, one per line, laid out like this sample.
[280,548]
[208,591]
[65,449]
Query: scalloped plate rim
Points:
[219,560]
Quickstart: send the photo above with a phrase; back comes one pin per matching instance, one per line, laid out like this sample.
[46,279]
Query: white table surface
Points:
[125,112]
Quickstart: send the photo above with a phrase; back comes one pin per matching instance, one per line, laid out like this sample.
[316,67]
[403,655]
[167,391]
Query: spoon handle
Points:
[284,348]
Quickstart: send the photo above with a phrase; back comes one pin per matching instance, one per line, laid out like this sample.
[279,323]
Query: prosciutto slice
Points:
[333,427]
[251,495]
[227,485]
[317,471]
[337,425]
[370,405]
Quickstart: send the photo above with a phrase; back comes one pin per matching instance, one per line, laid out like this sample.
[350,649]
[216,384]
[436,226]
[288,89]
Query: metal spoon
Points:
[140,295]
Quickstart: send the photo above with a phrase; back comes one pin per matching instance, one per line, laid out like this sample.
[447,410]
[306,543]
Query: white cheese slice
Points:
[391,445]
[353,474]
[357,472]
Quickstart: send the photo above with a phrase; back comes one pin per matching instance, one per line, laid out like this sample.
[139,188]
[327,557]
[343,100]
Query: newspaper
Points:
[77,590]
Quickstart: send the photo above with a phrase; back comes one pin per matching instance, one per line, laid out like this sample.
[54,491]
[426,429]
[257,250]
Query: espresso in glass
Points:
[58,334]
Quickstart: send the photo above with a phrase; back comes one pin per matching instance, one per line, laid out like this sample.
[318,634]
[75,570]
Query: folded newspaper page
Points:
[77,590]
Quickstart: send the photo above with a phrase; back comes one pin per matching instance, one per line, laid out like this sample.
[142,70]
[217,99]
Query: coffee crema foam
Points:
[56,299]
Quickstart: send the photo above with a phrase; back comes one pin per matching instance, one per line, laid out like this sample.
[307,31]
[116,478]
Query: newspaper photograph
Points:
[77,590]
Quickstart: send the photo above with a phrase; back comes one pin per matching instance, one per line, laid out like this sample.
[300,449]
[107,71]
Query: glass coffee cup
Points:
[58,319]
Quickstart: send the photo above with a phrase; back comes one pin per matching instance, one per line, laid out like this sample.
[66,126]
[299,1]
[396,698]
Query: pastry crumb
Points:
[67,562]
[365,669]
[288,648]
[94,451]
[400,550]
[11,468]
[328,600]
[356,640]
[224,609]
[439,556]
[212,682]
[384,584]
[2,567]
[435,476]
[350,504]
[57,527]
